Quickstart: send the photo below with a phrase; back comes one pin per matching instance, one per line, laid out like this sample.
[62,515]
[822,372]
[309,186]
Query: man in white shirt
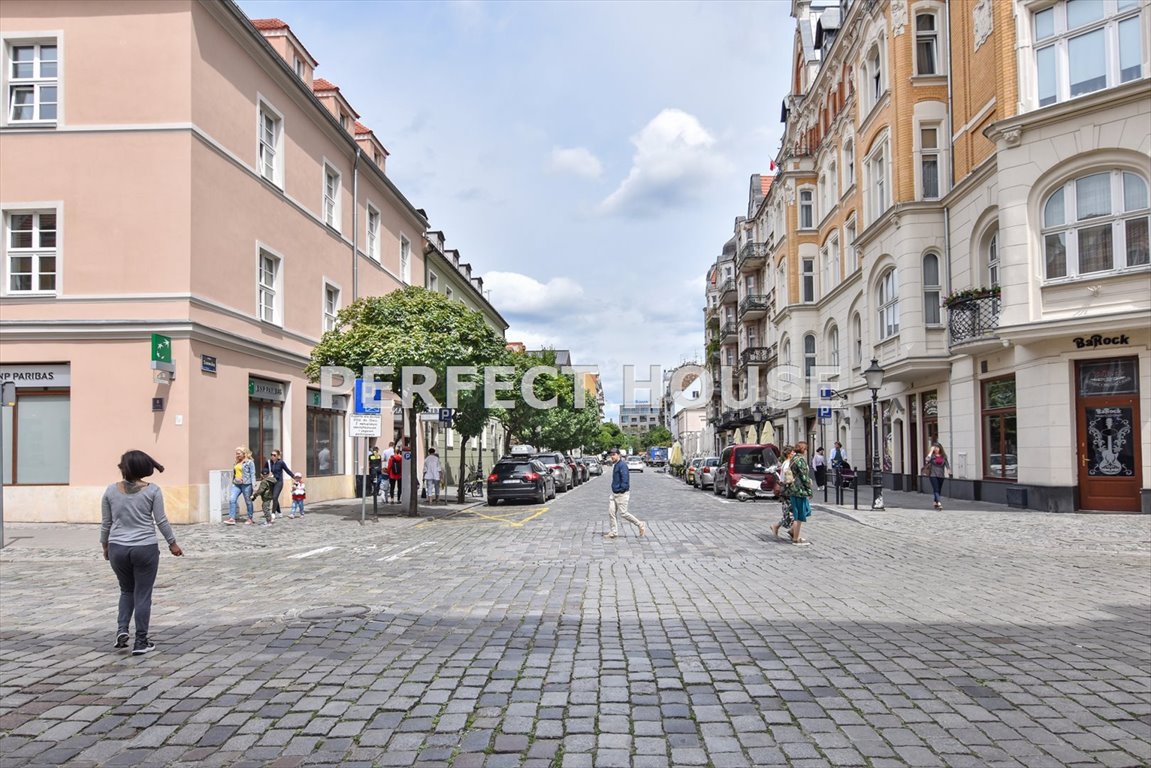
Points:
[432,474]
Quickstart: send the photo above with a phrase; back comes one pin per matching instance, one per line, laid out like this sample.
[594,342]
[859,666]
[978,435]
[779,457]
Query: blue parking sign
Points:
[373,405]
[825,411]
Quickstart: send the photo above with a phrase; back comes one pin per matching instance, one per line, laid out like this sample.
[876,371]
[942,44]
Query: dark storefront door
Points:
[1107,412]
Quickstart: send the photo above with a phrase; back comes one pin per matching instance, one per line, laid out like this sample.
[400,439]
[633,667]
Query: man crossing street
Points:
[620,491]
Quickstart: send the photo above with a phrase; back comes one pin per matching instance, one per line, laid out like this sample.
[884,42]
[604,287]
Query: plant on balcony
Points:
[969,294]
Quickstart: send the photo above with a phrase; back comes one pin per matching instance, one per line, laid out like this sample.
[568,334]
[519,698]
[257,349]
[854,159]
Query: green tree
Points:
[469,420]
[610,436]
[658,436]
[522,422]
[405,329]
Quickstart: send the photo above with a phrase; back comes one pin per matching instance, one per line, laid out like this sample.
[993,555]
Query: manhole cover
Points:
[333,612]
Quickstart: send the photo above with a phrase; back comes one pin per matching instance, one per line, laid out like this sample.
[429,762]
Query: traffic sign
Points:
[446,415]
[407,455]
[825,391]
[372,406]
[365,425]
[825,412]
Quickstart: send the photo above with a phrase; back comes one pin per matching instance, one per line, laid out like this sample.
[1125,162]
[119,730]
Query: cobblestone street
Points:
[520,636]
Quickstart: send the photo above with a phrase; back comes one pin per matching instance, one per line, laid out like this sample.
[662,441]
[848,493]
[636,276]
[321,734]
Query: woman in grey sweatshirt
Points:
[132,509]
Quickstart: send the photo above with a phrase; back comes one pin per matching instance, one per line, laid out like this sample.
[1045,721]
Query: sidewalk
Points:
[901,500]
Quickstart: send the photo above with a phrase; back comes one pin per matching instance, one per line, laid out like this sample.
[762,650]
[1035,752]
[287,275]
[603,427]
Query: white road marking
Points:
[319,551]
[403,552]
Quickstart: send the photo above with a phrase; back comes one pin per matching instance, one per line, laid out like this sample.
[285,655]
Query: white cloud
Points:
[578,161]
[675,161]
[520,296]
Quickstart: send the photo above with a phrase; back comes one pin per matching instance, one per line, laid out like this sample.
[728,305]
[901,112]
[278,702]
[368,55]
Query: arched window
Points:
[873,76]
[856,340]
[833,347]
[1096,223]
[848,164]
[888,303]
[931,289]
[926,44]
[808,354]
[993,259]
[785,352]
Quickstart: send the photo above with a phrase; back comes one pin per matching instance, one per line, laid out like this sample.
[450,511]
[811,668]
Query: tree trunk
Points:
[463,477]
[410,467]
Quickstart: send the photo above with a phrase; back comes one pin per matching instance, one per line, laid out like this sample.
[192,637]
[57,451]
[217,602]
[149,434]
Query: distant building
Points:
[639,419]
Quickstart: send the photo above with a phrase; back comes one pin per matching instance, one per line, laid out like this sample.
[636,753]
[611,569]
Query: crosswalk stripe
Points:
[302,555]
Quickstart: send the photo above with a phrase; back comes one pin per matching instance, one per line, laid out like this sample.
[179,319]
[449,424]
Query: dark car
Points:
[584,473]
[516,479]
[593,466]
[577,476]
[737,461]
[559,467]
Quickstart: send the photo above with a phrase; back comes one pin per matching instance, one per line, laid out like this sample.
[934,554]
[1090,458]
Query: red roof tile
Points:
[361,128]
[269,24]
[320,84]
[765,183]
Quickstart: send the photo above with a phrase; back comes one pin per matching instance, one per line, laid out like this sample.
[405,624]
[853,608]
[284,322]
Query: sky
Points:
[587,158]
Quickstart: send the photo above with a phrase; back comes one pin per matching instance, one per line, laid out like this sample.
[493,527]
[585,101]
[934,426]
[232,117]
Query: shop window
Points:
[1000,445]
[324,450]
[37,438]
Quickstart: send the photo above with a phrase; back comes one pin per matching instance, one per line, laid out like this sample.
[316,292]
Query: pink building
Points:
[170,167]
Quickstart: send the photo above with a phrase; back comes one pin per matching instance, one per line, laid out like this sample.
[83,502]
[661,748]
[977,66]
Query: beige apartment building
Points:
[221,196]
[962,195]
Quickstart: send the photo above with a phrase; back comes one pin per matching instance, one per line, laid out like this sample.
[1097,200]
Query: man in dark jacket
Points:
[620,491]
[277,467]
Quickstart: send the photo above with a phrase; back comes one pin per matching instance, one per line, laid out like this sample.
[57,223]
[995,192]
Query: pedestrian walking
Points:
[131,511]
[620,493]
[800,493]
[819,467]
[375,469]
[395,476]
[786,478]
[264,492]
[432,475]
[299,494]
[277,466]
[838,455]
[935,467]
[243,477]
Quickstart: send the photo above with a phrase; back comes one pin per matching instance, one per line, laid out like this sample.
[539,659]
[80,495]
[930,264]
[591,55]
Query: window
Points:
[831,264]
[888,305]
[833,347]
[325,442]
[993,260]
[37,450]
[433,281]
[331,307]
[331,196]
[808,354]
[451,294]
[849,239]
[298,67]
[271,155]
[876,169]
[781,286]
[1000,454]
[929,161]
[32,256]
[373,243]
[931,289]
[406,260]
[857,340]
[33,81]
[1083,46]
[874,86]
[848,164]
[345,121]
[808,281]
[926,44]
[269,291]
[806,208]
[1096,223]
[832,186]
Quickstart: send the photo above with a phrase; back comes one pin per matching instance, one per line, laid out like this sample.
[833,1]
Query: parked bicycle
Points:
[474,484]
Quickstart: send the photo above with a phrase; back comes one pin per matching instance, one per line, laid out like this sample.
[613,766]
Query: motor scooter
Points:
[768,488]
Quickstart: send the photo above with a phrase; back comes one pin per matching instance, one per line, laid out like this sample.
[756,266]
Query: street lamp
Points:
[874,378]
[757,417]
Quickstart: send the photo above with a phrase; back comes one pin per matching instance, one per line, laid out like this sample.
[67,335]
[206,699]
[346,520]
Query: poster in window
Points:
[1110,448]
[1109,377]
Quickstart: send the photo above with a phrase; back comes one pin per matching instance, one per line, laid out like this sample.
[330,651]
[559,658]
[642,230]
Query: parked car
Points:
[559,468]
[737,461]
[634,464]
[577,476]
[594,468]
[689,473]
[584,475]
[705,473]
[520,479]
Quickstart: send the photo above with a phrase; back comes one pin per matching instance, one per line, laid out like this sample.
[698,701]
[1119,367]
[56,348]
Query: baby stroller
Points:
[846,476]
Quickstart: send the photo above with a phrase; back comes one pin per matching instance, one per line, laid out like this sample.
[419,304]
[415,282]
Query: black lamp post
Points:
[757,416]
[874,378]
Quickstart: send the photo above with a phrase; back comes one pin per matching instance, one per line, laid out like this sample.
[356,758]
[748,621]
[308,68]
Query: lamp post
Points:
[757,416]
[874,378]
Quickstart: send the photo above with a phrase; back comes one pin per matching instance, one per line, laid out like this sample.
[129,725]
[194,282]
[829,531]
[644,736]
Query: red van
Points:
[737,461]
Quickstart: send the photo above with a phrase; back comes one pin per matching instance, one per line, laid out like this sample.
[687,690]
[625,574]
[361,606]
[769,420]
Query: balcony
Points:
[762,356]
[754,307]
[727,291]
[972,323]
[727,332]
[752,257]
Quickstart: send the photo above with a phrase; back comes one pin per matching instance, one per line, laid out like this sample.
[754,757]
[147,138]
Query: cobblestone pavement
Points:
[519,636]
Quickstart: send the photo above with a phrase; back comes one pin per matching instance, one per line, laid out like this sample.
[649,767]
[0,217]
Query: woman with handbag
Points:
[243,477]
[786,478]
[935,466]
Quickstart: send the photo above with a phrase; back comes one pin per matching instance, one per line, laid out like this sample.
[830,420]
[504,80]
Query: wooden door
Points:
[1107,416]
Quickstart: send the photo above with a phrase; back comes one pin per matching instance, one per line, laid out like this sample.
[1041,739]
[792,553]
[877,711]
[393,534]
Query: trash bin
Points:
[1017,496]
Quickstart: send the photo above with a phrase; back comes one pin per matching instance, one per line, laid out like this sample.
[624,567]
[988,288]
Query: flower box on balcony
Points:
[969,294]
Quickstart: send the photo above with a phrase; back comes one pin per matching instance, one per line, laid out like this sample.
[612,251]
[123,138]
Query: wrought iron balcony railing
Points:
[757,356]
[973,319]
[727,330]
[751,256]
[755,305]
[727,290]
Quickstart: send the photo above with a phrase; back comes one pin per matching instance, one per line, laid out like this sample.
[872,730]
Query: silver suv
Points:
[555,461]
